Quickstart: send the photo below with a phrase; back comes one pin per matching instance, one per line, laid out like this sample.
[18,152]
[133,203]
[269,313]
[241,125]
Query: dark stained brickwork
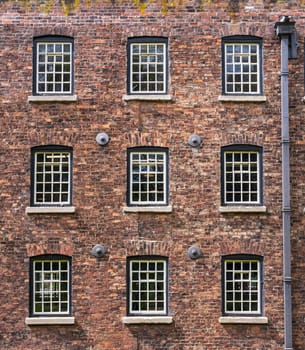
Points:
[194,33]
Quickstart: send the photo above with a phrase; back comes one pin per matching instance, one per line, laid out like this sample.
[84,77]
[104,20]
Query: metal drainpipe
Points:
[285,30]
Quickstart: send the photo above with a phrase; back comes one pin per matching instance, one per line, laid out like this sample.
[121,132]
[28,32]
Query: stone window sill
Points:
[242,209]
[147,320]
[149,97]
[52,98]
[40,321]
[243,320]
[242,98]
[157,209]
[50,210]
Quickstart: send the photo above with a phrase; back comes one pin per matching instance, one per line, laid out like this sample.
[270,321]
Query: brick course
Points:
[100,33]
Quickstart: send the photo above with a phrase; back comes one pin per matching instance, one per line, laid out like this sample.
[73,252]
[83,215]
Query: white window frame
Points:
[237,278]
[242,65]
[245,177]
[147,60]
[149,280]
[47,283]
[51,178]
[145,170]
[53,67]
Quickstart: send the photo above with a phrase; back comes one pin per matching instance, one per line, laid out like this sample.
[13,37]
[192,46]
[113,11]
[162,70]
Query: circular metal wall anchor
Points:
[194,252]
[194,140]
[98,251]
[102,138]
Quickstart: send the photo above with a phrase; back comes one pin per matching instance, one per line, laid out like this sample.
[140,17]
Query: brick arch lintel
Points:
[138,138]
[54,30]
[143,31]
[47,137]
[243,28]
[243,139]
[242,246]
[57,247]
[145,247]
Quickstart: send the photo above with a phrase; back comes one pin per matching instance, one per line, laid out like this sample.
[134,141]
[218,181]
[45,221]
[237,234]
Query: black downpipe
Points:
[285,30]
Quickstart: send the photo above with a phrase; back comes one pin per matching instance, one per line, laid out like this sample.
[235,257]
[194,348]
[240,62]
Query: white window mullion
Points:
[258,178]
[258,285]
[233,177]
[52,178]
[43,288]
[165,177]
[44,179]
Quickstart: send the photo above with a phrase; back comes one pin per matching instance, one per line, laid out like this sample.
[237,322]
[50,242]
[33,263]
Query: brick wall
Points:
[100,33]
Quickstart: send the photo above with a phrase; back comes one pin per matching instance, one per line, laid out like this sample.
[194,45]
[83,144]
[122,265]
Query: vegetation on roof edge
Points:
[70,7]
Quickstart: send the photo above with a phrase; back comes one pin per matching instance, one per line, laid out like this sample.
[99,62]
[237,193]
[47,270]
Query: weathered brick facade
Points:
[194,31]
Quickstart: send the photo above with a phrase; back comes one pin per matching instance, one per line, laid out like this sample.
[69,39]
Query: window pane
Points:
[148,58]
[241,181]
[241,58]
[51,179]
[48,55]
[147,178]
[147,296]
[52,279]
[241,286]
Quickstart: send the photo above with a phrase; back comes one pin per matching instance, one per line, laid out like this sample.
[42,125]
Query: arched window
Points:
[241,175]
[50,285]
[242,285]
[242,65]
[51,175]
[147,176]
[53,65]
[147,285]
[147,71]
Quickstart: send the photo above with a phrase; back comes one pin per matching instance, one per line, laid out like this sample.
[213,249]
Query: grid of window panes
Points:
[147,292]
[148,178]
[54,68]
[242,68]
[241,173]
[242,286]
[51,286]
[148,68]
[52,178]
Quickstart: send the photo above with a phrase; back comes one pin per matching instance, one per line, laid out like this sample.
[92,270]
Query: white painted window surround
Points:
[50,286]
[147,287]
[242,67]
[148,67]
[53,66]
